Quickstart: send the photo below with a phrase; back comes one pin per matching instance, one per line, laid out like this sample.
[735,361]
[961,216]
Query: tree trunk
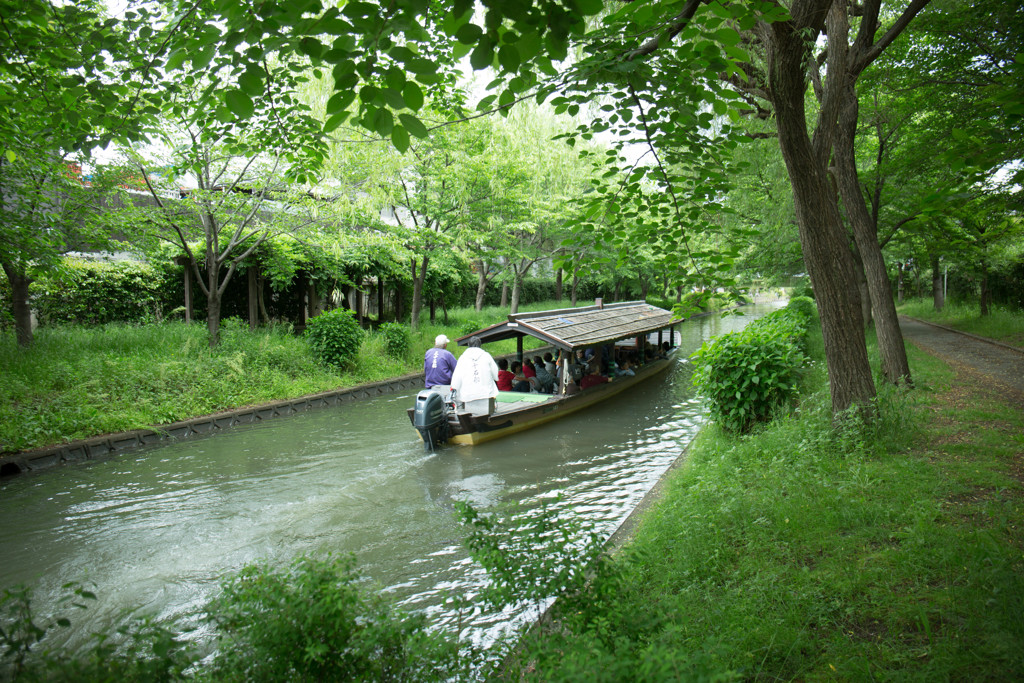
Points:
[358,291]
[517,289]
[399,301]
[433,311]
[481,284]
[213,306]
[444,309]
[899,282]
[20,308]
[984,299]
[558,285]
[380,299]
[617,294]
[938,293]
[261,298]
[822,237]
[575,284]
[864,292]
[504,294]
[417,290]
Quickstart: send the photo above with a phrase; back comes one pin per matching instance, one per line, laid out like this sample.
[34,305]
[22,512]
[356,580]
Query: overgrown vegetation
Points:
[335,337]
[747,375]
[884,551]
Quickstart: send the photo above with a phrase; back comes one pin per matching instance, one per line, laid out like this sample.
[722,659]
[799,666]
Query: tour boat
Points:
[629,326]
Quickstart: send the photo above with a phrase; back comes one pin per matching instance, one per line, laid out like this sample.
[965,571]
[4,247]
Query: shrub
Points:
[313,623]
[335,337]
[99,292]
[804,305]
[397,339]
[747,375]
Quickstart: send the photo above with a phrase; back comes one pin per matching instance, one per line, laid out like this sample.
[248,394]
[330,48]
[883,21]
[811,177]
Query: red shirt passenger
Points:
[504,376]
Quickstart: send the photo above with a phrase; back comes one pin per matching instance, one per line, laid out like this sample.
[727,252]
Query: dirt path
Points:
[996,368]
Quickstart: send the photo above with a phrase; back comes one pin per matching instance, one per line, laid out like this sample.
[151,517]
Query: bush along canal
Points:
[158,529]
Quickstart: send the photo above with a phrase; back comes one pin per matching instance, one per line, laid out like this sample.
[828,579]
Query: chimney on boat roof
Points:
[599,302]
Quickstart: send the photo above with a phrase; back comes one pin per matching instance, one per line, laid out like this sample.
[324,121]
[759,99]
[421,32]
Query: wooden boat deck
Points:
[508,401]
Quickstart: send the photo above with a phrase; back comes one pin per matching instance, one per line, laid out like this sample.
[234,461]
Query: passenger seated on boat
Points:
[545,380]
[504,376]
[549,364]
[625,369]
[519,381]
[592,379]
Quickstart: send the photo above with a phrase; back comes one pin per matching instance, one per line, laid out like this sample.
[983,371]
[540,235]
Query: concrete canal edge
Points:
[109,444]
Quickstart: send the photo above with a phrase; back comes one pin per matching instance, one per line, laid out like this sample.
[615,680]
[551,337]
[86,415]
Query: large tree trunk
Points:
[938,291]
[575,284]
[417,290]
[558,285]
[504,294]
[895,366]
[213,303]
[899,282]
[20,308]
[517,289]
[822,237]
[481,284]
[863,292]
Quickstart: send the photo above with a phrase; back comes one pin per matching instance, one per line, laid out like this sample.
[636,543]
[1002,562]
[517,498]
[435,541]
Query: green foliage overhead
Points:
[335,337]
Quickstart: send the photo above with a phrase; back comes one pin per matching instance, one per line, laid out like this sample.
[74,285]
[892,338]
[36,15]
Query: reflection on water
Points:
[158,529]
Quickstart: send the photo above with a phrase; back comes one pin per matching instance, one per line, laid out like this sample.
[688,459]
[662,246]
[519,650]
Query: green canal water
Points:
[157,530]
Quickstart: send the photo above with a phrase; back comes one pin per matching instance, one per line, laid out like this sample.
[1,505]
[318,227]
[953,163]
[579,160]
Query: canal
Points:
[157,530]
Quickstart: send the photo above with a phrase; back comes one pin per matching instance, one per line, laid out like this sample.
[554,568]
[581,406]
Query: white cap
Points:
[440,340]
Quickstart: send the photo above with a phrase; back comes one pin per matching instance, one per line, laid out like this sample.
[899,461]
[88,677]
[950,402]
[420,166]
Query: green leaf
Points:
[400,139]
[239,103]
[339,101]
[413,125]
[483,54]
[11,156]
[332,123]
[469,34]
[383,122]
[368,93]
[727,36]
[508,57]
[413,96]
[252,80]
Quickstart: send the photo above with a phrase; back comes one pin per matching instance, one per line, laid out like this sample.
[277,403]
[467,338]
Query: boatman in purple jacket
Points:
[438,365]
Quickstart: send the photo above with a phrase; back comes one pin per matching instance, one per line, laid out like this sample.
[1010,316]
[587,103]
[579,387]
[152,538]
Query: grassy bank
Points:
[77,382]
[895,552]
[1002,323]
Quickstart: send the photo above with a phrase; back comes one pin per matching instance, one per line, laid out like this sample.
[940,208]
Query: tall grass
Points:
[808,552]
[1003,323]
[76,382]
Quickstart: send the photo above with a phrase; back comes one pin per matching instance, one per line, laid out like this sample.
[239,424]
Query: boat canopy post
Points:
[659,340]
[519,348]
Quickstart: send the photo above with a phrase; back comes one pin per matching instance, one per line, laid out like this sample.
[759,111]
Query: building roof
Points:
[573,328]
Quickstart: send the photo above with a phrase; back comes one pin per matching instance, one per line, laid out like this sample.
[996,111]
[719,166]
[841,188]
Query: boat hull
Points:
[467,430]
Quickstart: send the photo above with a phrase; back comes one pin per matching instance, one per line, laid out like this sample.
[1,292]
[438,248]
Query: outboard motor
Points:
[430,418]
